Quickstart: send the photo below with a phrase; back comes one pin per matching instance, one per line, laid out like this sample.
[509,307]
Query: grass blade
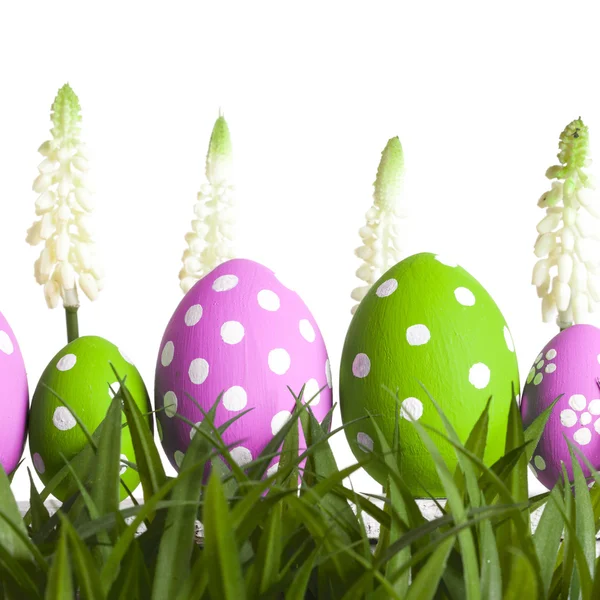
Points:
[60,577]
[425,585]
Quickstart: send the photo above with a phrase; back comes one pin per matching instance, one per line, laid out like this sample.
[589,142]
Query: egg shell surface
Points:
[14,398]
[241,333]
[426,320]
[81,375]
[569,366]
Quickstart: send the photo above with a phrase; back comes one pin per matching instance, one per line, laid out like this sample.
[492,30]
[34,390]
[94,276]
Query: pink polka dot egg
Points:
[14,399]
[241,333]
[568,366]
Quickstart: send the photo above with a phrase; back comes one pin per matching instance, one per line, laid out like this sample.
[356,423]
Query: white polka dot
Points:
[551,354]
[540,463]
[38,463]
[242,456]
[446,261]
[411,409]
[361,365]
[268,300]
[518,399]
[198,371]
[113,389]
[6,344]
[479,375]
[585,418]
[166,358]
[235,398]
[272,469]
[591,484]
[387,288]
[530,376]
[232,332]
[577,402]
[225,283]
[125,356]
[538,379]
[598,357]
[279,420]
[66,362]
[193,315]
[583,436]
[417,335]
[170,404]
[328,374]
[365,440]
[568,418]
[464,296]
[123,467]
[307,331]
[594,407]
[311,390]
[508,339]
[279,361]
[597,426]
[540,364]
[193,430]
[63,419]
[550,368]
[178,457]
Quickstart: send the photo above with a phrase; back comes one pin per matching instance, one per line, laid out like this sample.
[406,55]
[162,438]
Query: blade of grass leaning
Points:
[86,573]
[299,585]
[14,471]
[268,555]
[533,433]
[585,527]
[568,514]
[13,524]
[225,580]
[523,582]
[465,537]
[39,513]
[177,543]
[105,476]
[150,467]
[15,578]
[547,537]
[491,573]
[60,577]
[425,584]
[134,579]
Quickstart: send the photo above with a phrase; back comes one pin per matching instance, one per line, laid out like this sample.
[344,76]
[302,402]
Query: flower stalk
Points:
[67,261]
[567,274]
[210,242]
[380,235]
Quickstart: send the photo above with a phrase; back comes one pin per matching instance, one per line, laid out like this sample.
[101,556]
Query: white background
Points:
[477,93]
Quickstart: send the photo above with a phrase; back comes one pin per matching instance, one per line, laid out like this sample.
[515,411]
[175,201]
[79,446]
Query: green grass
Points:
[299,533]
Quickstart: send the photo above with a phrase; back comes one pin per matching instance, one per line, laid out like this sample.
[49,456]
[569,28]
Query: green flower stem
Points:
[72,323]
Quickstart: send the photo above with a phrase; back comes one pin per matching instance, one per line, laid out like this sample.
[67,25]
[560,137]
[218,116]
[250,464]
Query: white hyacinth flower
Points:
[67,259]
[567,274]
[380,247]
[210,242]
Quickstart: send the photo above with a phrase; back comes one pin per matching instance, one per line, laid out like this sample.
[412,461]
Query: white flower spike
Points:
[380,236]
[63,207]
[210,242]
[567,274]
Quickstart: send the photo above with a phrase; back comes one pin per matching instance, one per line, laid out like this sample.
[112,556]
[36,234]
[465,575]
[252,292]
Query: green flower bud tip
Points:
[390,174]
[66,115]
[574,146]
[219,157]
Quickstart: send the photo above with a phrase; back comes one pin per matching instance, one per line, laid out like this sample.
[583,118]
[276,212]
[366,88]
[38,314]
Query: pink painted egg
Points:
[239,332]
[569,365]
[14,399]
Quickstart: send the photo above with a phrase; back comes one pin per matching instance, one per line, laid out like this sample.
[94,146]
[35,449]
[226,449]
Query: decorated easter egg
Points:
[14,399]
[568,366]
[426,321]
[82,376]
[241,333]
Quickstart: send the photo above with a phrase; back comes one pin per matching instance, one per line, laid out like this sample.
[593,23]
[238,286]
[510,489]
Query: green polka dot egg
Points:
[426,320]
[82,376]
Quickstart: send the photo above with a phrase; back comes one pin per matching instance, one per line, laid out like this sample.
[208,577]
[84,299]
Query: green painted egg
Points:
[81,375]
[426,320]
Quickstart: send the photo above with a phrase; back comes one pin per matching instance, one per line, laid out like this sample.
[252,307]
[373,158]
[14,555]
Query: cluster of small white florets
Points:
[380,236]
[210,242]
[567,276]
[63,207]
